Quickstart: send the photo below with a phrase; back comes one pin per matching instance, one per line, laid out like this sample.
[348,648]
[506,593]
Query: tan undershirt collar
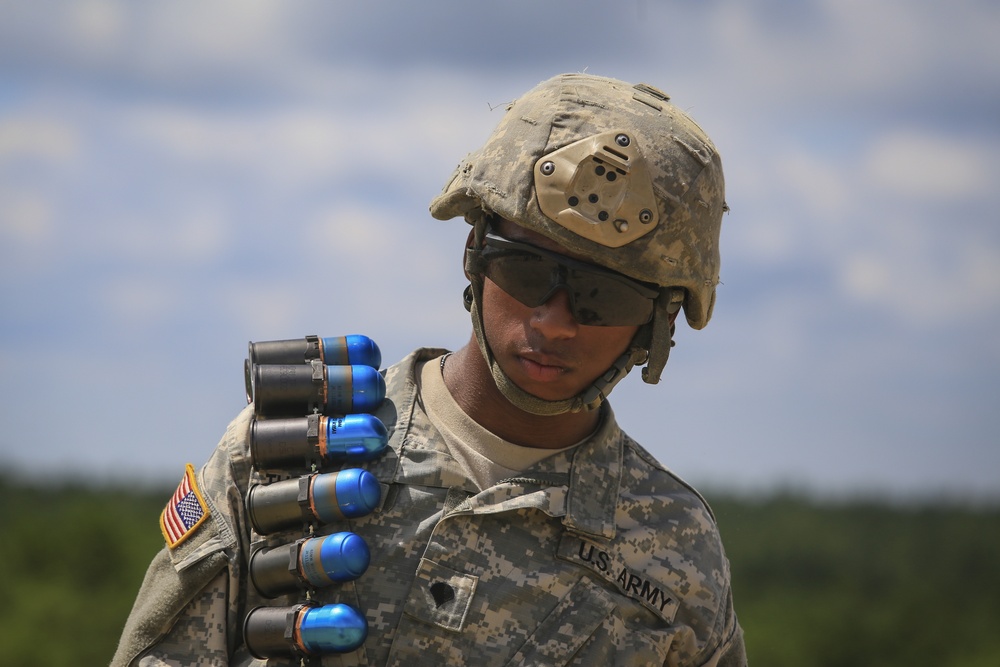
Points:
[485,458]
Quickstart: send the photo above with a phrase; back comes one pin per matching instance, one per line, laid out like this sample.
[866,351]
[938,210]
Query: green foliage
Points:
[864,583]
[851,584]
[72,559]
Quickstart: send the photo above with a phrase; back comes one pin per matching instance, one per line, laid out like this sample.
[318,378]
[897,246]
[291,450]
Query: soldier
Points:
[517,522]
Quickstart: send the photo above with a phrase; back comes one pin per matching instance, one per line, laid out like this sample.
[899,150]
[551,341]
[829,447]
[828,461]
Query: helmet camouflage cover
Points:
[615,173]
[674,177]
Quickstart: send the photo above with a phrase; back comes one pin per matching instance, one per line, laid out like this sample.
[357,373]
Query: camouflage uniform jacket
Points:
[595,556]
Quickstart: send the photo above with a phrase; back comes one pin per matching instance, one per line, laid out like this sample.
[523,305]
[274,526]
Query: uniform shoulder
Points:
[403,372]
[668,541]
[646,474]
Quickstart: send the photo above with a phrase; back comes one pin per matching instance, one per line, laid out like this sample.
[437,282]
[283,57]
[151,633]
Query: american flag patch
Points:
[185,511]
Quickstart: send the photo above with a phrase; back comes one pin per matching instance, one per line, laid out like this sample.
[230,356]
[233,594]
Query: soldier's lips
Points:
[541,368]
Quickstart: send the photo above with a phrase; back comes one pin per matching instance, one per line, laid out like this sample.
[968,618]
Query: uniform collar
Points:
[593,469]
[595,478]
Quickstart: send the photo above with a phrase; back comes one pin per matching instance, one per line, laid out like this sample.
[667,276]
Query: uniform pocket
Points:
[568,627]
[440,595]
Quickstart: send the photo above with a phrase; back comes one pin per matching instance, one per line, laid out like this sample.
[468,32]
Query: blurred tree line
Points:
[864,583]
[818,584]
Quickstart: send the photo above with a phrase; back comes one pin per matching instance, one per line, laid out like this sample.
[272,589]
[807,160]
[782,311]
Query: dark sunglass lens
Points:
[602,300]
[525,277]
[598,299]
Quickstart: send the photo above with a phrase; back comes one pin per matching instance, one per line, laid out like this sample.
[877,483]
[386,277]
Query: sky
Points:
[179,178]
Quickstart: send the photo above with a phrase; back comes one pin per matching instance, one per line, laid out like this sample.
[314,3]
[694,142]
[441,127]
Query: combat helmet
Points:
[612,172]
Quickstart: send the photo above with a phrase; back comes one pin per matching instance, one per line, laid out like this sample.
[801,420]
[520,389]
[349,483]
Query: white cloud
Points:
[799,202]
[842,57]
[25,219]
[353,234]
[400,255]
[938,282]
[868,277]
[98,24]
[202,235]
[270,309]
[296,146]
[766,239]
[49,139]
[890,38]
[931,166]
[820,186]
[918,248]
[219,32]
[191,233]
[195,135]
[140,302]
[27,234]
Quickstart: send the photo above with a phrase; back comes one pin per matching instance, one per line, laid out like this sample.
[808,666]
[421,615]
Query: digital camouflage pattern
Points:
[678,247]
[595,556]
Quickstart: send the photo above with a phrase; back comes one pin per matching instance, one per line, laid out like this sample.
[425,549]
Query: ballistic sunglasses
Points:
[597,296]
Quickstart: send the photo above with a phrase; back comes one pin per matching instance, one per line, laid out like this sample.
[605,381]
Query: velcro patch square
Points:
[185,511]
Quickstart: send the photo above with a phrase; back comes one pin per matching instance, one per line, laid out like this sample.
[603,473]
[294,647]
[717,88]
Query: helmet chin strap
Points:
[589,399]
[513,393]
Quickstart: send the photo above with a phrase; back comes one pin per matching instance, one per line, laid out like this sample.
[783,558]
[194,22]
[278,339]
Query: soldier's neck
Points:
[471,383]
